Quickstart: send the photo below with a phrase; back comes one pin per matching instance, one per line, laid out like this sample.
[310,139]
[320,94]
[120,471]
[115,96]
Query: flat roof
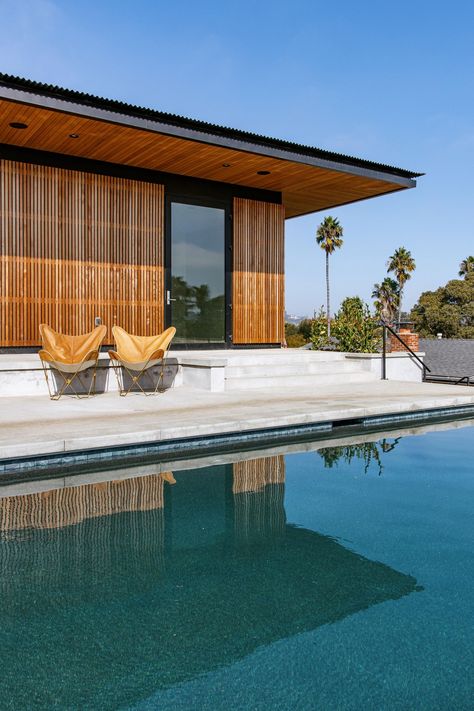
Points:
[77,124]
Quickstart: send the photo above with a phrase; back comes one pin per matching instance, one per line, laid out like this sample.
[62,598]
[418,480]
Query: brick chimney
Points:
[408,336]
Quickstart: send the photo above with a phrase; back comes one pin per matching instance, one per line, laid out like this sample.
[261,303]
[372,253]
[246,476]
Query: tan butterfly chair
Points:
[137,354]
[69,356]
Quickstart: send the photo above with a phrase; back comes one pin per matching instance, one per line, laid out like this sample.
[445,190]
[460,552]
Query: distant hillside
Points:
[291,318]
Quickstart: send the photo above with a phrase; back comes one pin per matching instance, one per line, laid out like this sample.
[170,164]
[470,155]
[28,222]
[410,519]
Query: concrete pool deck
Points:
[35,426]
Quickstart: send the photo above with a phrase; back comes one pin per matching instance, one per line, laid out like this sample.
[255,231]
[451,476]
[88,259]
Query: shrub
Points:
[304,328]
[290,329]
[295,340]
[355,329]
[319,331]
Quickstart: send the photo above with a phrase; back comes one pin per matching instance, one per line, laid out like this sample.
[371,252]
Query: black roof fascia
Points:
[56,98]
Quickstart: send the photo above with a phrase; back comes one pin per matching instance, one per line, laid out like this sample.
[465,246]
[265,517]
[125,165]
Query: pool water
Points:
[335,578]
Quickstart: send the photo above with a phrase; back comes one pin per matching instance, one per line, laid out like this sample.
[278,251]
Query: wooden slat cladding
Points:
[77,245]
[258,277]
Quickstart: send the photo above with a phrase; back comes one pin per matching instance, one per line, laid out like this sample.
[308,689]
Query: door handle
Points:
[168,297]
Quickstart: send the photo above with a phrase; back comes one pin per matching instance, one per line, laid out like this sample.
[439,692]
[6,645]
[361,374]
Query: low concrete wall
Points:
[22,374]
[400,366]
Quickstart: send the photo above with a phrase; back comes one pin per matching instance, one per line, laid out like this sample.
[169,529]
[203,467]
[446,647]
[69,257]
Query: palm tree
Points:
[329,238]
[466,266]
[387,298]
[402,264]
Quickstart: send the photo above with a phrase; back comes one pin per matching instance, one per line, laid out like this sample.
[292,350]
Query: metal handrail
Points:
[466,378]
[385,326]
[442,377]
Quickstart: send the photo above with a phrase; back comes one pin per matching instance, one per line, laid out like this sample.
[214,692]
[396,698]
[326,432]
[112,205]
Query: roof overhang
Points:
[308,183]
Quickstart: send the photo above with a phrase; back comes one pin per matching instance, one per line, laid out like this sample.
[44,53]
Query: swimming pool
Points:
[338,577]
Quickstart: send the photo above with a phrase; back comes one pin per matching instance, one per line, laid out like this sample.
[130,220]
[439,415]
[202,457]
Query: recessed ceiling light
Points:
[73,135]
[226,165]
[18,124]
[263,172]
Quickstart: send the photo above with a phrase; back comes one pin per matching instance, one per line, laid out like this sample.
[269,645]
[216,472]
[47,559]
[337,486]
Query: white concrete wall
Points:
[22,374]
[400,366]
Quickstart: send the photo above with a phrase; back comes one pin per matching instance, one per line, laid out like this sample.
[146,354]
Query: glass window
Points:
[198,273]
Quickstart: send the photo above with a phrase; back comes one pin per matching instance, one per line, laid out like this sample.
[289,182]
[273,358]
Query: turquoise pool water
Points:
[332,579]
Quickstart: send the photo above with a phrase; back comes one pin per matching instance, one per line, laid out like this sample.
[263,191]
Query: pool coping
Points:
[59,461]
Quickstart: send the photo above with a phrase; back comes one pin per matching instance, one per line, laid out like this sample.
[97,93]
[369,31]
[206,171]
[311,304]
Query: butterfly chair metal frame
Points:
[156,358]
[72,371]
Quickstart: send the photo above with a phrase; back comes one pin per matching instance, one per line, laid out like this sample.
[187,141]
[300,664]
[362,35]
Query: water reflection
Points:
[115,589]
[367,452]
[198,317]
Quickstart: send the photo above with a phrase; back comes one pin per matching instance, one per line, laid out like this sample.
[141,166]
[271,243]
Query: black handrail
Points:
[466,378]
[385,326]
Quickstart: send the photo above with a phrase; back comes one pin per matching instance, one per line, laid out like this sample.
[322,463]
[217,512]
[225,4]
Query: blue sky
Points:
[390,82]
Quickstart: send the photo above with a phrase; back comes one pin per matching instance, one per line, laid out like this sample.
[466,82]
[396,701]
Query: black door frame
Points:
[201,201]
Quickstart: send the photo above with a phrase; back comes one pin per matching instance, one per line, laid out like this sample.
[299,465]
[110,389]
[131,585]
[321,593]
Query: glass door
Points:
[196,296]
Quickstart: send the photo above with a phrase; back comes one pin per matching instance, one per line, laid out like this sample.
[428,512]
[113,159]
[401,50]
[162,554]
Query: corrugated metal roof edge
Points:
[79,97]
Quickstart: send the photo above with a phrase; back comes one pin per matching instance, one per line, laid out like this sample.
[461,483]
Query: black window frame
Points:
[201,201]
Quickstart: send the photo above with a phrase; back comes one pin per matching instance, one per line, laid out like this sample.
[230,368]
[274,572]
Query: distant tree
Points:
[290,329]
[387,299]
[401,263]
[329,238]
[304,328]
[466,266]
[448,310]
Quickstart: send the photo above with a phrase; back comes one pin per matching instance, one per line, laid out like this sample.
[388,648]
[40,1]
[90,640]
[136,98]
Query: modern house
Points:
[144,219]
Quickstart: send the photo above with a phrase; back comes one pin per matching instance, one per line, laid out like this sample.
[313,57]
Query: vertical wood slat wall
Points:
[77,245]
[258,276]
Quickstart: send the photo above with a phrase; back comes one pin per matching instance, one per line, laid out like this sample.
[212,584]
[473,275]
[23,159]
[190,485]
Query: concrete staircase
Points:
[290,369]
[229,370]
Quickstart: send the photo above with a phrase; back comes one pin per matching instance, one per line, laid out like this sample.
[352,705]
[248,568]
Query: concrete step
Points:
[280,357]
[299,382]
[290,369]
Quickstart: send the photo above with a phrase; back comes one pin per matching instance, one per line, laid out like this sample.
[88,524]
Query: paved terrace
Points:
[32,426]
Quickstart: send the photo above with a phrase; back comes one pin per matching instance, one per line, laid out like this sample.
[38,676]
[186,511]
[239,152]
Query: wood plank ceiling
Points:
[305,188]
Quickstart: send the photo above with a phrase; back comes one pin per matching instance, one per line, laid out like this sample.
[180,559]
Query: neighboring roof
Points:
[123,108]
[449,357]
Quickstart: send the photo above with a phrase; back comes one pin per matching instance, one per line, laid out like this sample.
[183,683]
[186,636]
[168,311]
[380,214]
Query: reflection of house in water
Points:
[179,581]
[70,505]
[258,488]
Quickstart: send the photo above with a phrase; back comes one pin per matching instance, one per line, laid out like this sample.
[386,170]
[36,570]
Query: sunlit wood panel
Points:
[75,246]
[258,276]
